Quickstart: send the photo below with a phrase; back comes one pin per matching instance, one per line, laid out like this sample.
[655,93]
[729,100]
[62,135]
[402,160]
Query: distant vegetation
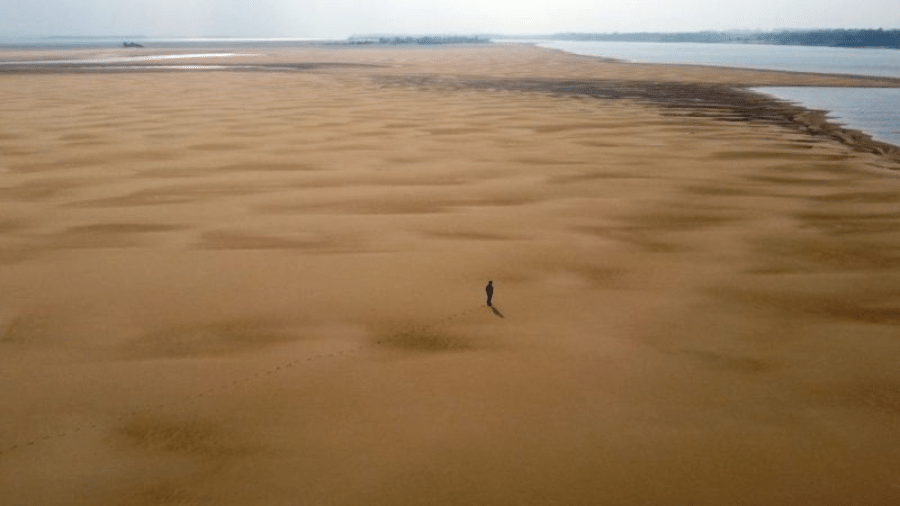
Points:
[832,38]
[430,39]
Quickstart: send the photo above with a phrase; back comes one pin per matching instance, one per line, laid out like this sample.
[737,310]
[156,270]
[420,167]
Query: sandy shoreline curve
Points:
[265,283]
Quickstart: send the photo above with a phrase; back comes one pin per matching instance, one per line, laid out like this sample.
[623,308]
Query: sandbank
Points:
[264,283]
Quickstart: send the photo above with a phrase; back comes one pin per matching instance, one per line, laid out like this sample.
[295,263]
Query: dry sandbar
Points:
[263,284]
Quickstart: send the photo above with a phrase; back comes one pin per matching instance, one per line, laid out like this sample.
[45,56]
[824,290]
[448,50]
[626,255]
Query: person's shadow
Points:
[496,312]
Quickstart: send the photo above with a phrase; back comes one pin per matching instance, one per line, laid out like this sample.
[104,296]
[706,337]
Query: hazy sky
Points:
[341,18]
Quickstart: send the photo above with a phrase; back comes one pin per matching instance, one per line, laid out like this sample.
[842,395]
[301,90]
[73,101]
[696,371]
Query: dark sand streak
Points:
[165,66]
[723,102]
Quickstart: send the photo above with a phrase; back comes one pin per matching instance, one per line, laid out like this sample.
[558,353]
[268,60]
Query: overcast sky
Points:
[341,18]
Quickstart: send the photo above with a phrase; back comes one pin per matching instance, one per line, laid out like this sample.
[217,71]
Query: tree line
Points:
[833,38]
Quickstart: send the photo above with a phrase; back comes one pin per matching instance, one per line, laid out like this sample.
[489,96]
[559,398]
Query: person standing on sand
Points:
[490,291]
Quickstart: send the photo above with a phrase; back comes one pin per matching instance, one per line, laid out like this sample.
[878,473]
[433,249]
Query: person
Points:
[490,291]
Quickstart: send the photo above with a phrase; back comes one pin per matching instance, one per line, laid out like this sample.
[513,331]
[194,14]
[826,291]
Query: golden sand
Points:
[266,286]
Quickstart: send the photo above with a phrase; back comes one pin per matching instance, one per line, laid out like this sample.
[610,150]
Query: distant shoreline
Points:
[855,38]
[866,38]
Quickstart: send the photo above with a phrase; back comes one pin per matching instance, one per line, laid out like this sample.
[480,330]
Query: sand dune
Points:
[266,286]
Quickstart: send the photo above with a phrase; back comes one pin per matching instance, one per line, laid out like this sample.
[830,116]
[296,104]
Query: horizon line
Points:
[459,33]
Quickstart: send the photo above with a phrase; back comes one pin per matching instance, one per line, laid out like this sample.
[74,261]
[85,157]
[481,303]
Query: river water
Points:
[875,111]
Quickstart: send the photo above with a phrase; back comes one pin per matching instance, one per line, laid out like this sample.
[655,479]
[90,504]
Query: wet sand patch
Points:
[237,240]
[862,308]
[212,146]
[728,362]
[780,155]
[410,204]
[807,252]
[467,236]
[173,195]
[428,341]
[206,340]
[34,327]
[185,455]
